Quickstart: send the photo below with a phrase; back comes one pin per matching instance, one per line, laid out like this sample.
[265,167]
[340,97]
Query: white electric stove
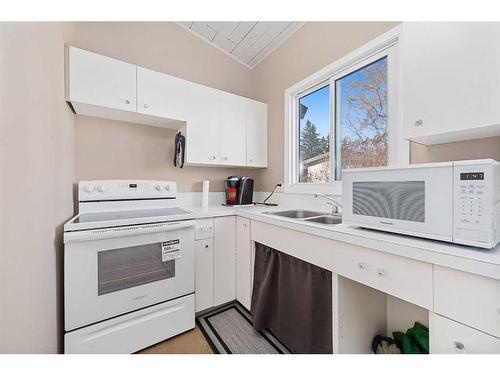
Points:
[128,267]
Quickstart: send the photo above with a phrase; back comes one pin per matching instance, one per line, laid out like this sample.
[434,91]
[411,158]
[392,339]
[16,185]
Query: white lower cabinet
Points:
[471,299]
[225,260]
[215,262]
[204,271]
[450,337]
[243,262]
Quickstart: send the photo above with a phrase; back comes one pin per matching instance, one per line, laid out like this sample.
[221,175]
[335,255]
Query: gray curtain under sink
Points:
[293,300]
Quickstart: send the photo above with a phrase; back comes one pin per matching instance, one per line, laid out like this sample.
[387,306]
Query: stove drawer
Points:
[134,331]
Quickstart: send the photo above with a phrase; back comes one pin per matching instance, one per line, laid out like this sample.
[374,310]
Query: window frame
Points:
[383,46]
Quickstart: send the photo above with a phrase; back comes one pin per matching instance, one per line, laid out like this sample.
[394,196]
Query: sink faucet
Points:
[332,202]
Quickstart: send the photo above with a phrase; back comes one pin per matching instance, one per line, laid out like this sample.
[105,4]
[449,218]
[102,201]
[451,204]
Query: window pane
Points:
[314,136]
[361,118]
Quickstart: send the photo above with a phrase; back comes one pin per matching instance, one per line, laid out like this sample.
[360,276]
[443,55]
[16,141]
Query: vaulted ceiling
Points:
[248,42]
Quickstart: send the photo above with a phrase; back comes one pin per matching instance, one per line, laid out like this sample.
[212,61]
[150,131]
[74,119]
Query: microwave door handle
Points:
[96,234]
[180,225]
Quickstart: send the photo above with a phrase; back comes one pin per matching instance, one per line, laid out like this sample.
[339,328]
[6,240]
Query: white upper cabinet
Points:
[202,127]
[256,128]
[450,80]
[99,80]
[161,95]
[221,129]
[232,130]
[225,129]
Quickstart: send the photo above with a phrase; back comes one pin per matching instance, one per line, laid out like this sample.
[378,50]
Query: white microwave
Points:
[453,201]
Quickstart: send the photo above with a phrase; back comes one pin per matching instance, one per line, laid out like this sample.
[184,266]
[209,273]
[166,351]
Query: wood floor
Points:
[190,342]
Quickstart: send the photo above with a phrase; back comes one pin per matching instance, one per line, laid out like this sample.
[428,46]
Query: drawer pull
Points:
[380,272]
[459,347]
[362,266]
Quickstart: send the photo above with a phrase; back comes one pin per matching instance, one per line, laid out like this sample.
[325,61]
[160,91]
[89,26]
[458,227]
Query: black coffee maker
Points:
[239,190]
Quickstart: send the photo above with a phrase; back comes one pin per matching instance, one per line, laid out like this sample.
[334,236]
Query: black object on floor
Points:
[229,330]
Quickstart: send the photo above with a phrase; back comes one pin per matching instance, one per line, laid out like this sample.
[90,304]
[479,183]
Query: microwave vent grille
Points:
[399,200]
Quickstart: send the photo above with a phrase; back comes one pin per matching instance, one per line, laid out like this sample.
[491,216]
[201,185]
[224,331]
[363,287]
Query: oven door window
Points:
[127,267]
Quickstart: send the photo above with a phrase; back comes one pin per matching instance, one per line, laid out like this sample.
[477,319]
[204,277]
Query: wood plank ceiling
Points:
[248,42]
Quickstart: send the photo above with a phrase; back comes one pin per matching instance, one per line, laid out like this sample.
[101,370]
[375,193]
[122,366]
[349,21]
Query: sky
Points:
[317,110]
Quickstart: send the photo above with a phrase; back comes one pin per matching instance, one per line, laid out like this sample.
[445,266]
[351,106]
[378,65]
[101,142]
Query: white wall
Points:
[37,171]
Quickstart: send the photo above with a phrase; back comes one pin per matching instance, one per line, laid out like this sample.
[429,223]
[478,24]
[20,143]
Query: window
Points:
[341,118]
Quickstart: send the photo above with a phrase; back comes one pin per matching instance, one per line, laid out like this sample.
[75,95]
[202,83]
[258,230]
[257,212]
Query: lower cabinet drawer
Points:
[450,337]
[204,228]
[470,299]
[134,331]
[407,279]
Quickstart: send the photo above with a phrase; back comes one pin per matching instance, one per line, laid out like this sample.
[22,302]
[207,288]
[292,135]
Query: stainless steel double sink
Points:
[309,216]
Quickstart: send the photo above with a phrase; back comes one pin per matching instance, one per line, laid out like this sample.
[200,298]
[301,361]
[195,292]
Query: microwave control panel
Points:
[472,191]
[471,198]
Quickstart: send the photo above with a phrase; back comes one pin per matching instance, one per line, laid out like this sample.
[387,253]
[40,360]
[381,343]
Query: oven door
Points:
[112,271]
[414,200]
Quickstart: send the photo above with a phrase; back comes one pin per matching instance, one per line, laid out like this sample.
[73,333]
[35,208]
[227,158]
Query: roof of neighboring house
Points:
[316,159]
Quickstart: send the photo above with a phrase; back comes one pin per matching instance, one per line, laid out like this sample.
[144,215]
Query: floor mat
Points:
[229,330]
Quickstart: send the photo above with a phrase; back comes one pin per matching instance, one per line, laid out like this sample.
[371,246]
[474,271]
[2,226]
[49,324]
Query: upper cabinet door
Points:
[161,95]
[256,134]
[202,128]
[450,76]
[232,129]
[101,81]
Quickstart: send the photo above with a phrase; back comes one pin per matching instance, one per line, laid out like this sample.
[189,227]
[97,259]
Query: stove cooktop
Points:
[92,220]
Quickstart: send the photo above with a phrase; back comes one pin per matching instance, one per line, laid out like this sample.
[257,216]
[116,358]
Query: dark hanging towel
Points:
[293,300]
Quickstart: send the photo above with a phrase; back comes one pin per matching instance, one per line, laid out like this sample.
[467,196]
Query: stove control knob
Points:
[167,188]
[158,188]
[101,188]
[88,188]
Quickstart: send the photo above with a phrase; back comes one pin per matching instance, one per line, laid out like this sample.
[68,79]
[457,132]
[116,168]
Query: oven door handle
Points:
[131,230]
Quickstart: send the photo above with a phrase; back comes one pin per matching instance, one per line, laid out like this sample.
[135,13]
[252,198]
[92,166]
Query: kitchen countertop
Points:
[478,261]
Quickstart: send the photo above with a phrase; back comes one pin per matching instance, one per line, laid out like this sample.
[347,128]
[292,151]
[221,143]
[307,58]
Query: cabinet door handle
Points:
[362,266]
[419,122]
[250,160]
[127,101]
[459,347]
[206,246]
[380,272]
[146,105]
